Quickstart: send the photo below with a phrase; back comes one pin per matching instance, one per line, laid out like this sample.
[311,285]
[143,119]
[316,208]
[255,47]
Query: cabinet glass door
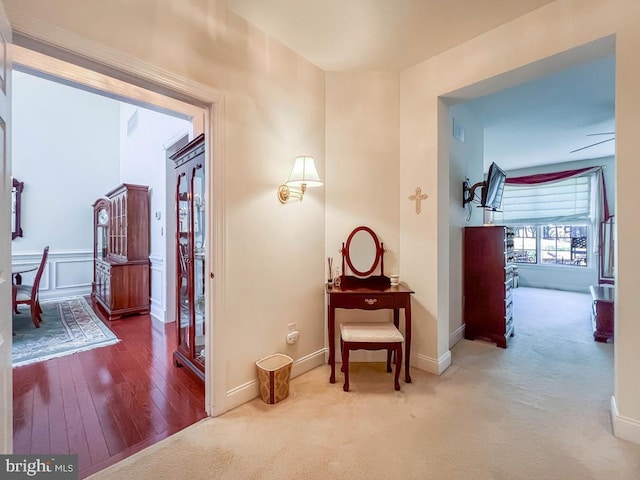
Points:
[182,265]
[199,220]
[101,239]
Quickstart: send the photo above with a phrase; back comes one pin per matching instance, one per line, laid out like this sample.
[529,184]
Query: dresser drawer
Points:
[364,301]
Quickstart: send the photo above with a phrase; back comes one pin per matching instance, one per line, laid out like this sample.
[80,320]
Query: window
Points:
[565,201]
[551,244]
[555,216]
[525,243]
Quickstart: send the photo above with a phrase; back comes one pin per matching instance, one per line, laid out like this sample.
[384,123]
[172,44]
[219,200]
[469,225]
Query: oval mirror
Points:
[362,251]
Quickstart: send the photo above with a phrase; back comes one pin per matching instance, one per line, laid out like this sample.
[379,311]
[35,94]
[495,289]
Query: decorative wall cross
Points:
[418,197]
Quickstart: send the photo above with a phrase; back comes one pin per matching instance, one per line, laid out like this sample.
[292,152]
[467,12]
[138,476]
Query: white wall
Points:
[143,162]
[533,45]
[66,151]
[466,157]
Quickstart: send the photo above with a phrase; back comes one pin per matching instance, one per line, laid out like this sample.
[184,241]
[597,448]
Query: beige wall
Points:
[274,109]
[362,175]
[505,56]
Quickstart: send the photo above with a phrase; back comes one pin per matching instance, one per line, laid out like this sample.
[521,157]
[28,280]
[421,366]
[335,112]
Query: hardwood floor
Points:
[108,403]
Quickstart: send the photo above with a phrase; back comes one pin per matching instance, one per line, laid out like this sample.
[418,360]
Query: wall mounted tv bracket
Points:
[469,192]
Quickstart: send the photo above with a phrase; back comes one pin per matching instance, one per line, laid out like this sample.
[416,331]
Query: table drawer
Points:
[363,301]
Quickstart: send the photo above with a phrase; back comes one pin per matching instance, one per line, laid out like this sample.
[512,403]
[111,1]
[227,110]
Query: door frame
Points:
[6,281]
[100,61]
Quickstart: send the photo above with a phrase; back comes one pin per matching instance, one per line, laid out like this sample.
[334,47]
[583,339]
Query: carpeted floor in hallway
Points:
[536,410]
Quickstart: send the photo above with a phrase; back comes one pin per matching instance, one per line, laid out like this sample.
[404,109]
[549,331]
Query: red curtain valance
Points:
[557,176]
[548,177]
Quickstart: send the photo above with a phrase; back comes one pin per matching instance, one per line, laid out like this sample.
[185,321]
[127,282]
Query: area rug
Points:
[69,325]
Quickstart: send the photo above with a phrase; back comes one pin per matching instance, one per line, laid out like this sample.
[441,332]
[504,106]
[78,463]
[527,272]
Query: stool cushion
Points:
[373,332]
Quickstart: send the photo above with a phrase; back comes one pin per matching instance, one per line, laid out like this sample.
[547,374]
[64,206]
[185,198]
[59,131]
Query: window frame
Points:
[590,257]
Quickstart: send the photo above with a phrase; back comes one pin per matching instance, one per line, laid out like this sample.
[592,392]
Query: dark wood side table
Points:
[602,311]
[368,298]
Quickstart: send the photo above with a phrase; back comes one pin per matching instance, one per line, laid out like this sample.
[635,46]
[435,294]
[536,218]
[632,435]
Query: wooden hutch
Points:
[121,263]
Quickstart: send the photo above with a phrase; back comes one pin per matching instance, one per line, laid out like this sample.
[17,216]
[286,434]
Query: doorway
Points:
[463,162]
[201,111]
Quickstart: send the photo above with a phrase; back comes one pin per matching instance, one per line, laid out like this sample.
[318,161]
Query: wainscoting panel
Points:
[67,273]
[72,273]
[158,304]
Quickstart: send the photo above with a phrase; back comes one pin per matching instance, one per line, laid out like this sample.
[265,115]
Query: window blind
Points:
[564,201]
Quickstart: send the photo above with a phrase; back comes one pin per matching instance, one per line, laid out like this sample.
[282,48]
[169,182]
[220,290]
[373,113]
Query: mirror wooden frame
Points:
[347,253]
[363,277]
[16,201]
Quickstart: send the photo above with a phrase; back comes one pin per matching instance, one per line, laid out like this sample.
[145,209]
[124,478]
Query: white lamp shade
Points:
[304,172]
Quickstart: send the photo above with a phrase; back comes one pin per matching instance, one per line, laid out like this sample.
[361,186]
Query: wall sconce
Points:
[303,175]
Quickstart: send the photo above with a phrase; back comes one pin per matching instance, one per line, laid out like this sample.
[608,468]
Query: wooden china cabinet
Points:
[190,257]
[121,251]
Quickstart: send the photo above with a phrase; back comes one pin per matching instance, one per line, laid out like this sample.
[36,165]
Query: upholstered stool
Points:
[371,336]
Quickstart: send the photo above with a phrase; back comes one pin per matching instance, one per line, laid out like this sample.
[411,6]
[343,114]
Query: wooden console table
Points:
[367,298]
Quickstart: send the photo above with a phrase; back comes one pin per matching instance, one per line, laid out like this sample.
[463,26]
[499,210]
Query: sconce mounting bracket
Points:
[283,193]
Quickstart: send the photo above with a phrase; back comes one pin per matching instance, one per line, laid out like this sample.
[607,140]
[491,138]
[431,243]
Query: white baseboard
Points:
[158,312]
[306,363]
[419,361]
[80,291]
[432,365]
[624,427]
[250,390]
[456,336]
[239,395]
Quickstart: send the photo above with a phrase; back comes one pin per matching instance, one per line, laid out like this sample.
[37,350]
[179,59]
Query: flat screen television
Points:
[493,188]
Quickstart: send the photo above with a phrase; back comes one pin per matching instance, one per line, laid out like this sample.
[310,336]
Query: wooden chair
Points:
[28,294]
[371,336]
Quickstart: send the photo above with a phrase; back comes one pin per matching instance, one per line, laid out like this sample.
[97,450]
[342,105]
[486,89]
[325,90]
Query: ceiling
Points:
[347,35]
[542,121]
[535,123]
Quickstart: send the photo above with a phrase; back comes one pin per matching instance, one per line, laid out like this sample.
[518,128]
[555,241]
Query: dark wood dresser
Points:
[602,311]
[488,283]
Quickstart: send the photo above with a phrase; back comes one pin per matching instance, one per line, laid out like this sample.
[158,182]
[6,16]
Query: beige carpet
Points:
[537,410]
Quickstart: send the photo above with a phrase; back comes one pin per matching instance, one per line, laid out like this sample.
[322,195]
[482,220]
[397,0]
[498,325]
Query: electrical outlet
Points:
[292,337]
[292,327]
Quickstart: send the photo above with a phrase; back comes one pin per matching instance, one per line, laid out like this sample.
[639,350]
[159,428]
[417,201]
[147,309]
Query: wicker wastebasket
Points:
[274,373]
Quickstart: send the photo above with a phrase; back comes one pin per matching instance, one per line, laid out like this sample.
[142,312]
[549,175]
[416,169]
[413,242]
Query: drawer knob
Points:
[370,301]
